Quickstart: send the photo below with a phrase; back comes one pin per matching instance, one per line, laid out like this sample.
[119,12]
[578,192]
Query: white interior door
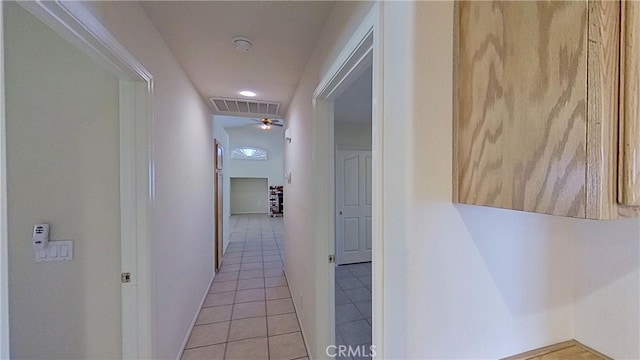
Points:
[353,206]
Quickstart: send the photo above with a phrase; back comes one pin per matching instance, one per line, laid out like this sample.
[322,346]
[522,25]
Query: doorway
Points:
[353,168]
[361,53]
[219,202]
[353,214]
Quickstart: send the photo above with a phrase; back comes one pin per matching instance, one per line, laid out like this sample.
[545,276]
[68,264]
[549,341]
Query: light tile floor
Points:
[353,305]
[248,313]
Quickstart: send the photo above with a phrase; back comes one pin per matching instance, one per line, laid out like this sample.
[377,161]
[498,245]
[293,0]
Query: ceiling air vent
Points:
[245,107]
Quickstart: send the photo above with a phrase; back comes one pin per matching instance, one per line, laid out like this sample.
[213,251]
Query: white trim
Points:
[145,195]
[128,253]
[356,63]
[74,22]
[357,48]
[137,173]
[4,239]
[195,318]
[377,148]
[364,48]
[136,190]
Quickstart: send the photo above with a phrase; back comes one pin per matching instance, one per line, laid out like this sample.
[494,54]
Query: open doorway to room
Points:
[353,216]
[249,195]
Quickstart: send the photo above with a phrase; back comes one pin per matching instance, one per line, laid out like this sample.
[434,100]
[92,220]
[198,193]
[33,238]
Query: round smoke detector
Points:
[242,44]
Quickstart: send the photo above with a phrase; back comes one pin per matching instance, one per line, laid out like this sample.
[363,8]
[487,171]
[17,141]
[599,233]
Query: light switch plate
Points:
[61,250]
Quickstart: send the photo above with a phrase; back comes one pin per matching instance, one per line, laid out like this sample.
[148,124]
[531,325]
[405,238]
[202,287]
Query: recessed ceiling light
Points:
[247,93]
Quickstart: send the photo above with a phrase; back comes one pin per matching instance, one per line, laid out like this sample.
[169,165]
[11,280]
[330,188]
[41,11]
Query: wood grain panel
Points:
[629,172]
[521,106]
[603,94]
[568,350]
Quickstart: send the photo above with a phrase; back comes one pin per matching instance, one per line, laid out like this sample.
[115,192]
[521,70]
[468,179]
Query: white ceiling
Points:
[233,121]
[200,34]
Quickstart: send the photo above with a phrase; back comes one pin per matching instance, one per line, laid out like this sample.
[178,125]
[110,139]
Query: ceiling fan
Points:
[267,123]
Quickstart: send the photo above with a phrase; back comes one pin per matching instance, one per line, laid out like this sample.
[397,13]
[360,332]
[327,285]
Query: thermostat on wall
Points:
[287,135]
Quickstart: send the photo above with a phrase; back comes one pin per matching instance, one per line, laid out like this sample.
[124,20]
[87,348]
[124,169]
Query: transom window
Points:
[248,153]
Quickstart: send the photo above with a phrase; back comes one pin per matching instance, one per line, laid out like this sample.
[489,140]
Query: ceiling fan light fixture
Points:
[247,93]
[265,127]
[242,44]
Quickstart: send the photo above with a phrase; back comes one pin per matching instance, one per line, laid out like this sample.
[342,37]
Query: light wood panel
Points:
[629,175]
[569,350]
[603,94]
[521,106]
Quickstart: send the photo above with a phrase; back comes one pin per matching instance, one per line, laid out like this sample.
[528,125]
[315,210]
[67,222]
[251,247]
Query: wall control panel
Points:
[48,251]
[61,250]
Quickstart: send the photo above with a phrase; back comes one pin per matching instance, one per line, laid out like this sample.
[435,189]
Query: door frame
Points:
[74,22]
[4,239]
[364,48]
[218,181]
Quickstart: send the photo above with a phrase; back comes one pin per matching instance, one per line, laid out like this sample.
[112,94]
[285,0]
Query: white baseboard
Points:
[195,318]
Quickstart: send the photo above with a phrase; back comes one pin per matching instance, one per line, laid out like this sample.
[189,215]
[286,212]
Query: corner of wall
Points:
[607,296]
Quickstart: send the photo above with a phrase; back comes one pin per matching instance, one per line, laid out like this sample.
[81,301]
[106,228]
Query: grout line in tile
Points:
[266,316]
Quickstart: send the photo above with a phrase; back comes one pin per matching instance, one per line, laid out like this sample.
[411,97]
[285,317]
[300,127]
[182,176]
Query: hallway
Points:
[248,313]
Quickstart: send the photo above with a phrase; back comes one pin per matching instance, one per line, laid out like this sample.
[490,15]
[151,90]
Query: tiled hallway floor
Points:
[353,305]
[248,313]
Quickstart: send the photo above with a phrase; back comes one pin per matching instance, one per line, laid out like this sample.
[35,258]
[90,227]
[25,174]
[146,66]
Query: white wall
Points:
[63,169]
[221,135]
[353,135]
[272,141]
[249,196]
[182,212]
[608,287]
